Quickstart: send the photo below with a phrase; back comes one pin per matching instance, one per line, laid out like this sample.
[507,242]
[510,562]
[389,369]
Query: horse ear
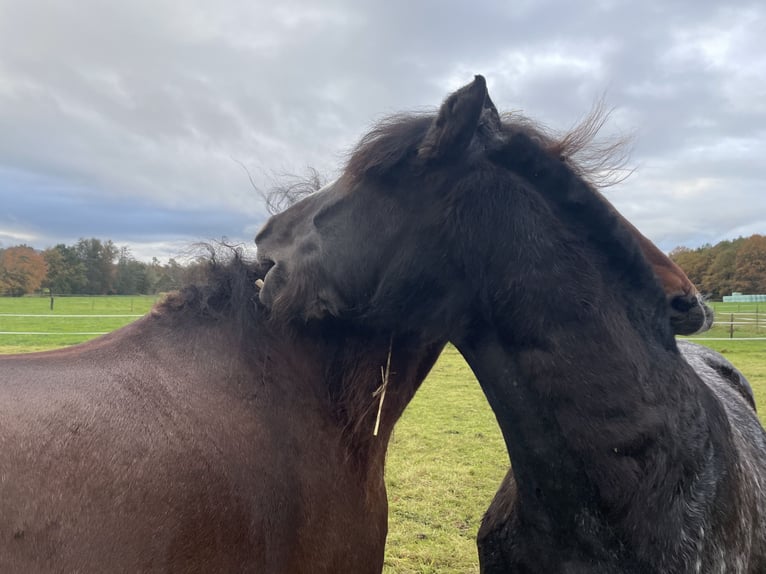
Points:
[490,125]
[455,124]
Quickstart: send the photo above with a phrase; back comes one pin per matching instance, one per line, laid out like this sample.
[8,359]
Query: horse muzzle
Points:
[690,315]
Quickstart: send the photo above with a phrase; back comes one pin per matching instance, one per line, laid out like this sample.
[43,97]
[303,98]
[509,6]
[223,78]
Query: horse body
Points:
[503,535]
[624,459]
[185,443]
[649,482]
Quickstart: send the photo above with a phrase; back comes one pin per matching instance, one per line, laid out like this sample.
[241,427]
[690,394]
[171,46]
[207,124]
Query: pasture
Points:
[446,458]
[27,324]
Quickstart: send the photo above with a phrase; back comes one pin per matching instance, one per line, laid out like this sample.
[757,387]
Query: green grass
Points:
[750,358]
[738,307]
[79,305]
[446,458]
[445,462]
[67,330]
[749,320]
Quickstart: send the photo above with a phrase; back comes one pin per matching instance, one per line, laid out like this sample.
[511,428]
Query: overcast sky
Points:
[129,120]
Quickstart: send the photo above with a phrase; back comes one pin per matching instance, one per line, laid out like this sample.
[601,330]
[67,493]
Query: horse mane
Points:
[388,144]
[600,161]
[224,289]
[292,188]
[351,357]
[565,186]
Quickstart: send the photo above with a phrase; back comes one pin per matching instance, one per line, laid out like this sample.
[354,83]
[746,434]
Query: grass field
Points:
[40,328]
[738,320]
[446,458]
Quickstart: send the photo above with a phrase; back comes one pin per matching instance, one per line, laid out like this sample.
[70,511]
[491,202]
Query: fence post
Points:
[756,320]
[731,326]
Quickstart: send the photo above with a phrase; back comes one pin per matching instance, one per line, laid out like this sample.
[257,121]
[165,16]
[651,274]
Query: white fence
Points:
[739,326]
[75,333]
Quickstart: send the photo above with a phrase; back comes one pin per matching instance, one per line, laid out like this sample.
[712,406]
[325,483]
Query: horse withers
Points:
[203,438]
[486,231]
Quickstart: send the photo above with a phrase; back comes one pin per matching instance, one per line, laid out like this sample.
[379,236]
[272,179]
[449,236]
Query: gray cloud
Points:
[128,120]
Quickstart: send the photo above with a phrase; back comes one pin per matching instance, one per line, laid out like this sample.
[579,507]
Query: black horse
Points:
[498,531]
[203,438]
[486,231]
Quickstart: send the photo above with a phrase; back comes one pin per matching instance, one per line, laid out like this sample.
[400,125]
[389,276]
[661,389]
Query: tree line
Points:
[96,267]
[89,267]
[728,266]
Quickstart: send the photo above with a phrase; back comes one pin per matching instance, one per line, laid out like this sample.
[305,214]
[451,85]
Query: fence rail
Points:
[78,334]
[728,326]
[47,316]
[749,324]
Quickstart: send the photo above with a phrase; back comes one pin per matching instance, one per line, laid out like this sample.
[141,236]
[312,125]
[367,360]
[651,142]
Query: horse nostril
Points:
[683,303]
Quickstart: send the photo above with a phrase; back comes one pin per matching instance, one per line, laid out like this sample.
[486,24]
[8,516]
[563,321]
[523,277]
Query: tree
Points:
[751,265]
[131,275]
[170,276]
[22,270]
[731,265]
[719,278]
[694,263]
[66,273]
[3,285]
[98,259]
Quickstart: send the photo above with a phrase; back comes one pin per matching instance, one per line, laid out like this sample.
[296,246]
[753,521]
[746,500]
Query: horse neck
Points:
[583,417]
[368,381]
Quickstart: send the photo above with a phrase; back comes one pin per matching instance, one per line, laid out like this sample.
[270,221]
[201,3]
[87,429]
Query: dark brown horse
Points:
[202,438]
[486,231]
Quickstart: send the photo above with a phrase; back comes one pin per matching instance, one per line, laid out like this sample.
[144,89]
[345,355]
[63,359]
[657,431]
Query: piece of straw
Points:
[381,390]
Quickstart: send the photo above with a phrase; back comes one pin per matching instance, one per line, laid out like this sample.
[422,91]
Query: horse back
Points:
[154,451]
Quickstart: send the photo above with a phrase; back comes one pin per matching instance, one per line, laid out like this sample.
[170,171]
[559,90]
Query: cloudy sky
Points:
[133,120]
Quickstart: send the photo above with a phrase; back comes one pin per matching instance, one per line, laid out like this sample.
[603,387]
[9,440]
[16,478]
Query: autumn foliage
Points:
[95,267]
[89,267]
[22,270]
[728,266]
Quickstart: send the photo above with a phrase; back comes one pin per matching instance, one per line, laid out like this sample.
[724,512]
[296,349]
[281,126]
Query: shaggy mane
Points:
[600,161]
[226,289]
[388,144]
[352,356]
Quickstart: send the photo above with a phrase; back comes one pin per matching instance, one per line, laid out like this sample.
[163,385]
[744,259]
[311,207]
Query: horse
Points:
[203,438]
[487,231]
[499,524]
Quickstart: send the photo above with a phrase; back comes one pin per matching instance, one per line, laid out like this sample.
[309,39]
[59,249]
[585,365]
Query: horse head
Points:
[372,245]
